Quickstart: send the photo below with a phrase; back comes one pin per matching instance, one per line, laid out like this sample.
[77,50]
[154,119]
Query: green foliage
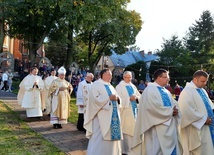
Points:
[175,57]
[73,111]
[56,52]
[31,20]
[200,41]
[139,70]
[97,26]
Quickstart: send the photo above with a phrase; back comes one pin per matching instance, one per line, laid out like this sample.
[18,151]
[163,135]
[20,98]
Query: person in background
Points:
[169,88]
[102,119]
[128,112]
[156,130]
[60,91]
[10,80]
[5,80]
[135,82]
[83,99]
[177,91]
[33,85]
[141,86]
[197,122]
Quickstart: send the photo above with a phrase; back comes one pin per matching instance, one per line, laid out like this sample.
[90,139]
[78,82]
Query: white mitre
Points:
[62,70]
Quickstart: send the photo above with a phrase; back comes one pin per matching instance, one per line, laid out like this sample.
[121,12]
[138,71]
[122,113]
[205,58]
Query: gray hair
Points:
[90,75]
[127,72]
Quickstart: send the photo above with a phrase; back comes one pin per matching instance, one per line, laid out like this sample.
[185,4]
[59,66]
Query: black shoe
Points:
[60,126]
[55,126]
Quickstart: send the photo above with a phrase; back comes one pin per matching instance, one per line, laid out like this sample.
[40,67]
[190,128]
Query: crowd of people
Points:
[6,80]
[143,119]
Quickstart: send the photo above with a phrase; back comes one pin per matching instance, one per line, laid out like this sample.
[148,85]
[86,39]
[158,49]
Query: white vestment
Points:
[83,96]
[32,97]
[156,131]
[195,135]
[127,116]
[21,91]
[60,110]
[98,121]
[46,97]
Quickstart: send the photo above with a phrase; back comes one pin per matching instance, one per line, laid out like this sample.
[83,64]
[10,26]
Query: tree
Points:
[31,21]
[200,40]
[174,57]
[2,26]
[115,33]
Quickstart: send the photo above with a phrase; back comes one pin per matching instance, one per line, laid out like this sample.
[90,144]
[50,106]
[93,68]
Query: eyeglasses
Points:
[127,77]
[165,77]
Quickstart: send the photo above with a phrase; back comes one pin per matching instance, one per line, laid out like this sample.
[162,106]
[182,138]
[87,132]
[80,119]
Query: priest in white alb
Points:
[156,130]
[47,98]
[33,85]
[102,119]
[197,122]
[83,99]
[129,95]
[60,91]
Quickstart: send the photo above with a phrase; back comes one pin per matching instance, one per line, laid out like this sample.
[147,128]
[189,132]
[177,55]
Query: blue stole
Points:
[115,122]
[166,103]
[209,111]
[165,97]
[133,103]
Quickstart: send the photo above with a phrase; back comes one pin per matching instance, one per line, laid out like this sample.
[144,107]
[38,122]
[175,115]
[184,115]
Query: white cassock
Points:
[156,130]
[98,121]
[83,95]
[127,115]
[46,97]
[195,136]
[32,96]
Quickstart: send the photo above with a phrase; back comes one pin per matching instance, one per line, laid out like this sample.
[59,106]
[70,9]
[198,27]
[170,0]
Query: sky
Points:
[164,18]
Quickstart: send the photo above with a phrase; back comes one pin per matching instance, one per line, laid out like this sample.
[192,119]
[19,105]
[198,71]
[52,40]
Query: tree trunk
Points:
[70,49]
[1,31]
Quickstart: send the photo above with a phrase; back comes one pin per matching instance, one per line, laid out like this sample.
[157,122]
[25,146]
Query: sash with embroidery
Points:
[209,111]
[115,122]
[130,91]
[166,103]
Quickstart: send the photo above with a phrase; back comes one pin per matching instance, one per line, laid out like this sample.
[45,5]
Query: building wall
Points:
[16,48]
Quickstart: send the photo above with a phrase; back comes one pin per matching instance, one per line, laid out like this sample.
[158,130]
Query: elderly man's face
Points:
[62,76]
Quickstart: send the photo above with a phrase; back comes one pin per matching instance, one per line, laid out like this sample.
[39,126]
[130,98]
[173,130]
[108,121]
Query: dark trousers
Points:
[80,122]
[5,87]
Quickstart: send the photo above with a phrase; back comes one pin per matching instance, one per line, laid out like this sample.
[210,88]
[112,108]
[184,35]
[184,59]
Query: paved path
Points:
[68,139]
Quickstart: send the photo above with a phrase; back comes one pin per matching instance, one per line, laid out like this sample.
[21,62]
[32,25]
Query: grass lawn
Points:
[16,138]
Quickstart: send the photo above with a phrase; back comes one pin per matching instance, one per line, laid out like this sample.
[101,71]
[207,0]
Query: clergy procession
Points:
[121,120]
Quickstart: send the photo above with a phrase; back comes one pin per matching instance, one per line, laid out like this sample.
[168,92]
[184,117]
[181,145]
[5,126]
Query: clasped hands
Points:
[175,111]
[133,98]
[35,84]
[208,121]
[113,97]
